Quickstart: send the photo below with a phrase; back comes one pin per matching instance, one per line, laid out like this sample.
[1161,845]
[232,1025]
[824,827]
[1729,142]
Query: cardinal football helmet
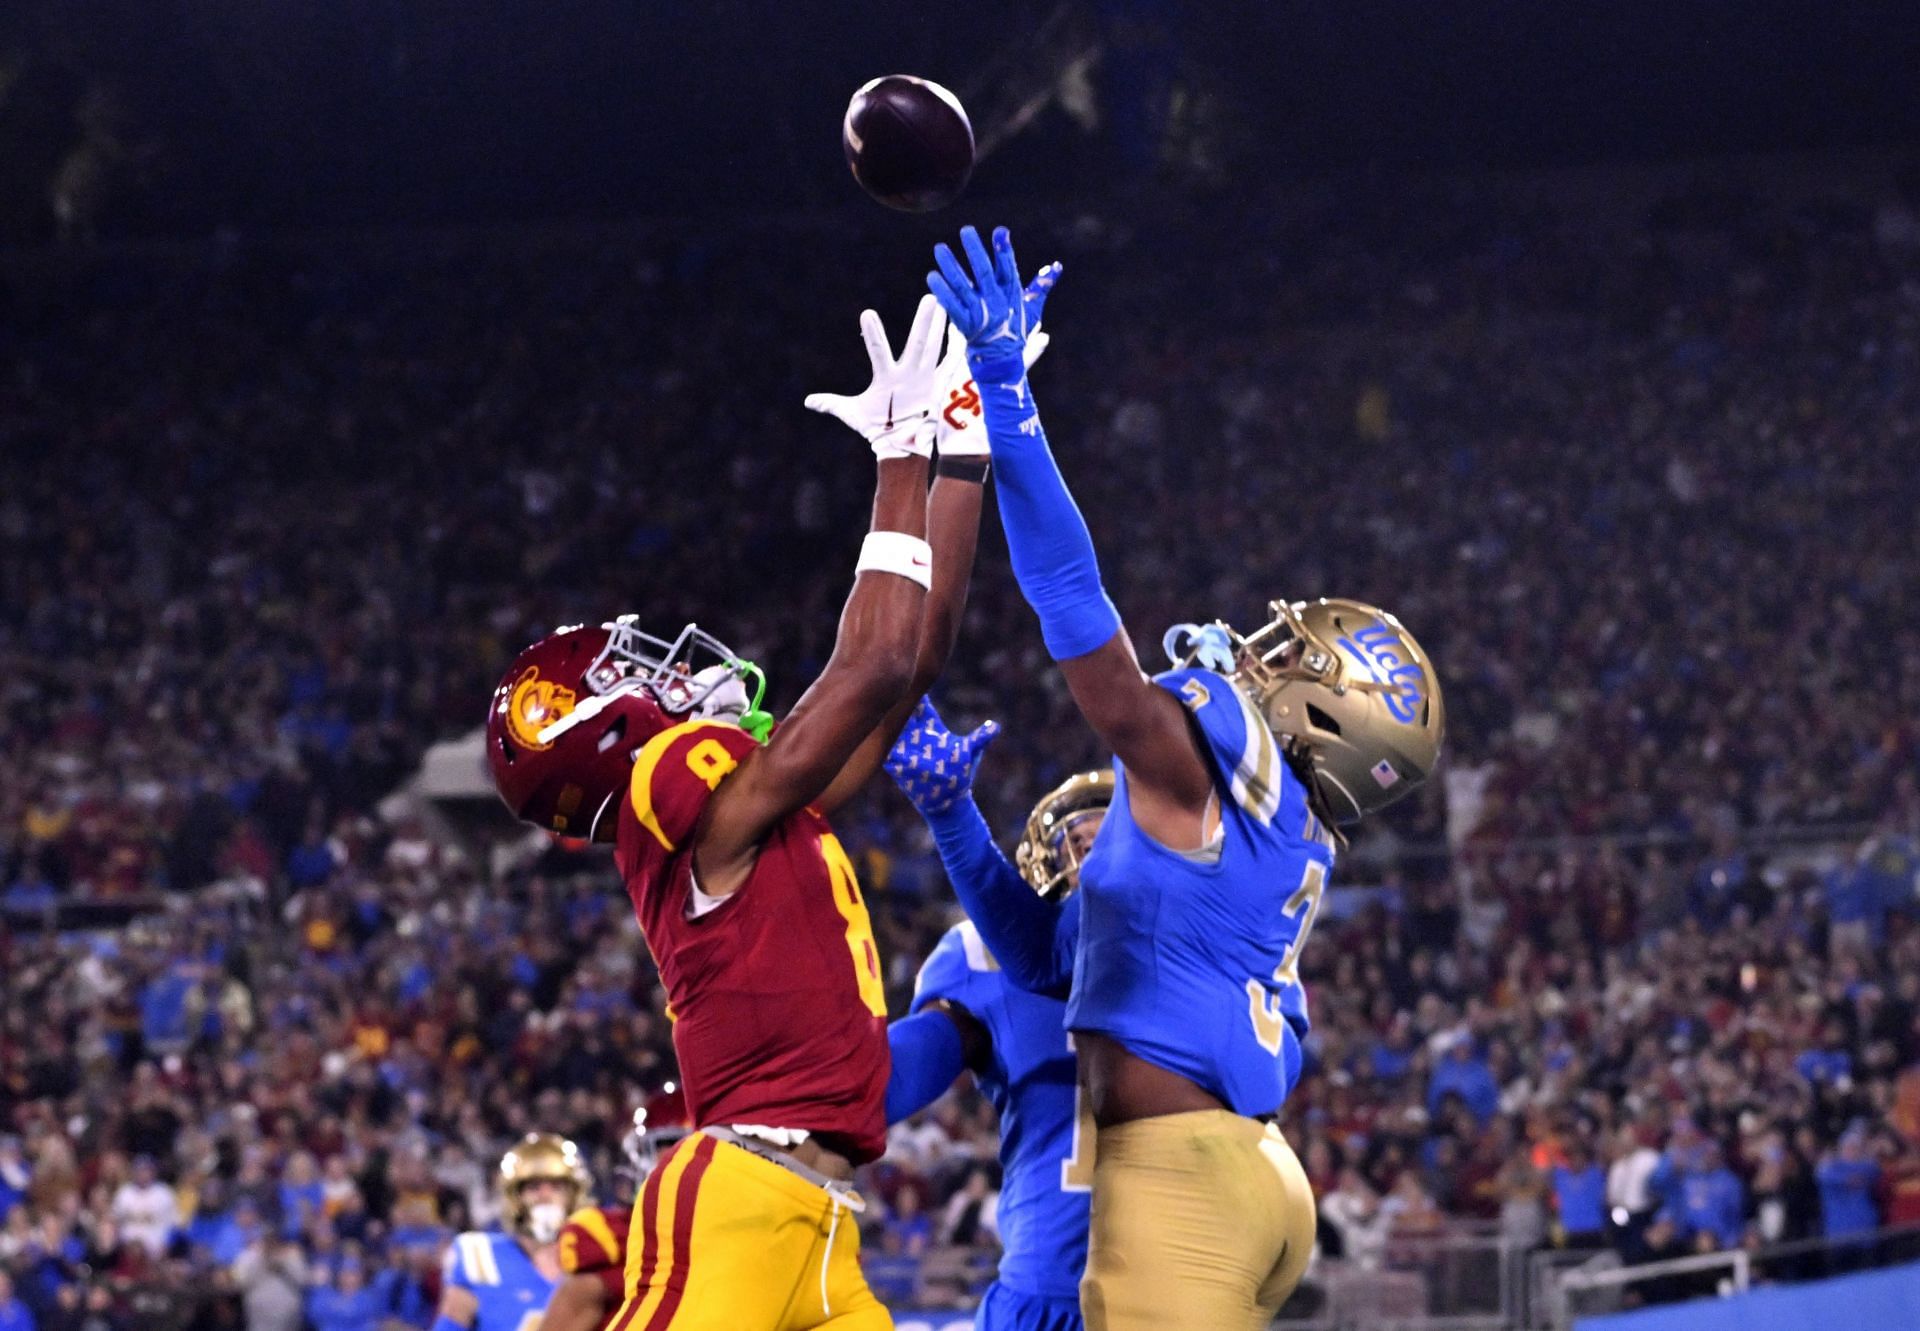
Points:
[573,710]
[655,1132]
[1346,688]
[1060,831]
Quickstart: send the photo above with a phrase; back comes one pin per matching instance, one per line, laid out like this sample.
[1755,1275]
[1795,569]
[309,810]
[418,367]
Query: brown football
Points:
[909,143]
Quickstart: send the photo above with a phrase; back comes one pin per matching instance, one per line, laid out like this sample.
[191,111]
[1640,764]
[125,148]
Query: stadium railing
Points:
[1603,1285]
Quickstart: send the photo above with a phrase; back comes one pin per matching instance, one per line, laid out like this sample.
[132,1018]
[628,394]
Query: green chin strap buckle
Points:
[754,721]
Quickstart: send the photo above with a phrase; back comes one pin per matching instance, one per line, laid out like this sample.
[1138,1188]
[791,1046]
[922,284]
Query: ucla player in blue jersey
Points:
[967,1015]
[501,1279]
[1230,772]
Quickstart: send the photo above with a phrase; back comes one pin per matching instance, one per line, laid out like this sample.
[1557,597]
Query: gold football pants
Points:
[1201,1222]
[725,1241]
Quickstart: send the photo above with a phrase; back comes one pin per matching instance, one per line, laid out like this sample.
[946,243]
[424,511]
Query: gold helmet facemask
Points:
[1050,854]
[542,1156]
[1348,690]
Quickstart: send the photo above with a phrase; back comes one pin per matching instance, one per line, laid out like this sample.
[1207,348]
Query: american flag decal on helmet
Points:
[1384,774]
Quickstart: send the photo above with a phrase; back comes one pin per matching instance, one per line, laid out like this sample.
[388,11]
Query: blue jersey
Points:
[1191,961]
[1047,1168]
[497,1271]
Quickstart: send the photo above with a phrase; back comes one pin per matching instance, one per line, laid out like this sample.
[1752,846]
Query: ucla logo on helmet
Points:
[1379,648]
[533,705]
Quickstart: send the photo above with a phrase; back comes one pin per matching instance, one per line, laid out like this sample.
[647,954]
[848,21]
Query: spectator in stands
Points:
[1580,1197]
[1630,1198]
[1785,1204]
[14,1315]
[347,1302]
[146,1209]
[1709,1202]
[1353,1210]
[909,1224]
[272,1279]
[1462,1072]
[972,1215]
[1831,1062]
[15,1176]
[1848,1177]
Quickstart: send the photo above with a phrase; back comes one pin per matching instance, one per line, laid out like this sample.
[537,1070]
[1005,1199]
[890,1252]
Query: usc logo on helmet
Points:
[535,704]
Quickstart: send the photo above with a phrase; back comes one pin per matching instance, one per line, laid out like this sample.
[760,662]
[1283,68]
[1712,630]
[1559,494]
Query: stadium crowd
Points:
[276,513]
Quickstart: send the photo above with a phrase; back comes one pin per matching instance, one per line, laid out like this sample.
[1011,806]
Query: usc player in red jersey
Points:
[593,1243]
[749,904]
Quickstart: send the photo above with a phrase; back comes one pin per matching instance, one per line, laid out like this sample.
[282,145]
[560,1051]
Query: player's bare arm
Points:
[874,653]
[458,1307]
[580,1303]
[953,526]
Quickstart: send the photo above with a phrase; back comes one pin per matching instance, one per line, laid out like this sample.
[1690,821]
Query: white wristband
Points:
[898,553]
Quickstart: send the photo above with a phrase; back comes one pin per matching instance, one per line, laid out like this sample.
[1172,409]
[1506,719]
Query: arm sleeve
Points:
[1047,539]
[927,1056]
[1032,939]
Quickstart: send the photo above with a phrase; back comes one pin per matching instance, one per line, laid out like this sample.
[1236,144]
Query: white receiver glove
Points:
[957,400]
[895,413]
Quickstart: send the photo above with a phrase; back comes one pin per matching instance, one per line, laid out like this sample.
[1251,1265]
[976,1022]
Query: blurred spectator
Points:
[146,1209]
[347,1302]
[1847,1179]
[14,1315]
[908,1225]
[272,1279]
[1580,1197]
[1709,1201]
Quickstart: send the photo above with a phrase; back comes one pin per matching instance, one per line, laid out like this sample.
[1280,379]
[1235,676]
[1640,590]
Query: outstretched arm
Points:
[953,524]
[873,657]
[1053,556]
[1032,939]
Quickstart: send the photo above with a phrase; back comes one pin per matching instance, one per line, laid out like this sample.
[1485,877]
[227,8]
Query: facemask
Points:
[544,1220]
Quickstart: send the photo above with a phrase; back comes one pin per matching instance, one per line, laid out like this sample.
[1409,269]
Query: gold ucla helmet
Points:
[542,1156]
[1050,852]
[1346,687]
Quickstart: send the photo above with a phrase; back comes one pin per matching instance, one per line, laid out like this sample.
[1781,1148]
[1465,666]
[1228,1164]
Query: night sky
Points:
[261,113]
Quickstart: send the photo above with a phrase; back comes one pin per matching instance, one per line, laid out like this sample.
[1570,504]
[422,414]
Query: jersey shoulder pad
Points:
[954,966]
[472,1261]
[591,1240]
[1242,743]
[677,770]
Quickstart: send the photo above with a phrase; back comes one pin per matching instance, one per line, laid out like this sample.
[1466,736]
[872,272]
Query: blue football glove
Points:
[988,306]
[959,434]
[1035,296]
[934,767]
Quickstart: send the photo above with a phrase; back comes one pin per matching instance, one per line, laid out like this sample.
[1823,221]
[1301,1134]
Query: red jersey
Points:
[779,1010]
[594,1243]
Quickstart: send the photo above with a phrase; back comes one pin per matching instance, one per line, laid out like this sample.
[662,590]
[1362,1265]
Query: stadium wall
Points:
[1877,1301]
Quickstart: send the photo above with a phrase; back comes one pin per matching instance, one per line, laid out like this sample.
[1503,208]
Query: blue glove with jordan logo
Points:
[934,767]
[988,306]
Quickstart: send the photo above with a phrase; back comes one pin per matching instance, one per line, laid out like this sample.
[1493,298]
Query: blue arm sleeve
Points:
[927,1056]
[1033,940]
[1047,539]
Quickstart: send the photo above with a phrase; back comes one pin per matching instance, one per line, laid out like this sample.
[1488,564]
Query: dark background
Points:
[176,117]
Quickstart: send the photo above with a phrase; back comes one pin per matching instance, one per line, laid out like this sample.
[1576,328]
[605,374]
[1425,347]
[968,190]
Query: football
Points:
[908,142]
